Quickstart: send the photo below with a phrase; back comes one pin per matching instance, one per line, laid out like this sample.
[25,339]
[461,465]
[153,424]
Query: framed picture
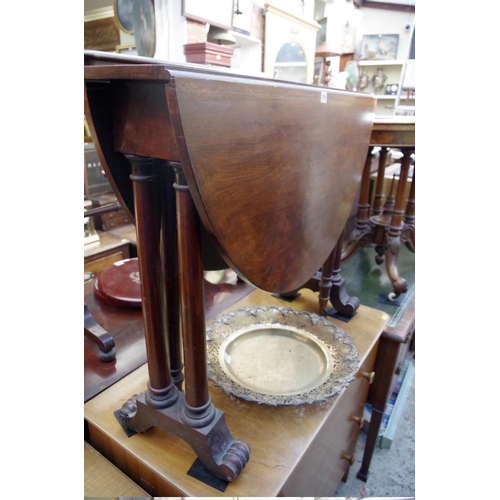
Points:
[379,47]
[144,27]
[124,15]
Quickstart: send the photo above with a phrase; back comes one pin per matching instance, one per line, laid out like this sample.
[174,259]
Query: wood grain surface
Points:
[278,436]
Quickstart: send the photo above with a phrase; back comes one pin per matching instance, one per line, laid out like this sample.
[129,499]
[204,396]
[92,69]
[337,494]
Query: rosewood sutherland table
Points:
[271,169]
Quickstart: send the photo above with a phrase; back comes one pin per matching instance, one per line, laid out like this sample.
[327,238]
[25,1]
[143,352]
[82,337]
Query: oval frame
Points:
[124,15]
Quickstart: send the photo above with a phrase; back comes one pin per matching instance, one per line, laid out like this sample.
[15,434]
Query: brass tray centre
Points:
[279,356]
[276,359]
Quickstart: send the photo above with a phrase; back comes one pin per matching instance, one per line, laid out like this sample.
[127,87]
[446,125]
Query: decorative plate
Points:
[279,356]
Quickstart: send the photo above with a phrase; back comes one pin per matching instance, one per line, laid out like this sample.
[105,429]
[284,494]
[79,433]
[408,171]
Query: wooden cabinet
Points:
[101,254]
[109,220]
[394,344]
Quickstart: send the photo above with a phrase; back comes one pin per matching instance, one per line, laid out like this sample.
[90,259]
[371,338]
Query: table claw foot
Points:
[99,336]
[218,451]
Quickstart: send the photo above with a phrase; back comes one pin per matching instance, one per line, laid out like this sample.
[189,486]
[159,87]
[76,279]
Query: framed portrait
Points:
[144,27]
[379,47]
[124,15]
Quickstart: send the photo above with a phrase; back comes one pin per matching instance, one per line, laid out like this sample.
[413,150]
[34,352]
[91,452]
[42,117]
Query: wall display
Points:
[144,27]
[382,47]
[124,15]
[218,13]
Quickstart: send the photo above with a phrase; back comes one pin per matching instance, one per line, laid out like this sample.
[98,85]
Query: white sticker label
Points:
[324,97]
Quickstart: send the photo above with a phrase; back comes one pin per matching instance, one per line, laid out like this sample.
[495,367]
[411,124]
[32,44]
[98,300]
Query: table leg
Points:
[332,286]
[362,234]
[170,271]
[189,415]
[378,396]
[161,391]
[378,199]
[393,234]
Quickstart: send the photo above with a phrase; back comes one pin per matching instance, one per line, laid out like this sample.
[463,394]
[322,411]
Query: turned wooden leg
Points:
[362,234]
[161,391]
[393,235]
[198,407]
[332,286]
[378,199]
[170,271]
[192,416]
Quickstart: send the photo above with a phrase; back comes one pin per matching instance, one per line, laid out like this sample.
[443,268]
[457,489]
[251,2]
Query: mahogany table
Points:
[269,169]
[388,224]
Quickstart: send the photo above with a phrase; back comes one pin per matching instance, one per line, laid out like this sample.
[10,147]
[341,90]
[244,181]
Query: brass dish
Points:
[279,356]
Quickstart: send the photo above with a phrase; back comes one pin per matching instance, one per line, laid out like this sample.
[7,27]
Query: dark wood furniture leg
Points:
[378,396]
[362,234]
[393,234]
[190,415]
[99,336]
[378,199]
[170,272]
[162,391]
[332,286]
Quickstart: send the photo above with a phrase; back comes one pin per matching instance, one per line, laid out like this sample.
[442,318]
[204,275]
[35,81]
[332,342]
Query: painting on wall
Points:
[144,27]
[124,15]
[379,47]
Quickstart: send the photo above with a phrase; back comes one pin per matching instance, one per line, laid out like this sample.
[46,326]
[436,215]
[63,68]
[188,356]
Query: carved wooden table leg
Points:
[362,234]
[97,334]
[332,286]
[393,235]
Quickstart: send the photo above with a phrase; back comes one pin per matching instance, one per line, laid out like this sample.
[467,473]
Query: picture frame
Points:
[124,15]
[379,47]
[144,27]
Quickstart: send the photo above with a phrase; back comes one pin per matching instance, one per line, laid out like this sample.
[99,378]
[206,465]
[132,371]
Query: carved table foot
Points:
[219,452]
[97,334]
[399,284]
